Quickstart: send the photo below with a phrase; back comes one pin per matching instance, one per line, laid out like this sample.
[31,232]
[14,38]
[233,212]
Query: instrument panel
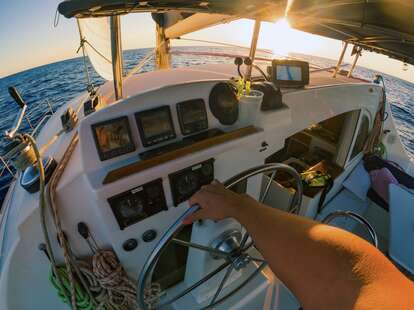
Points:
[155,125]
[186,182]
[146,200]
[158,125]
[113,138]
[192,116]
[290,73]
[152,131]
[137,204]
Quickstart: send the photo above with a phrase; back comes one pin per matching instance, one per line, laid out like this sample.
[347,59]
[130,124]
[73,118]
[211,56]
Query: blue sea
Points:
[57,83]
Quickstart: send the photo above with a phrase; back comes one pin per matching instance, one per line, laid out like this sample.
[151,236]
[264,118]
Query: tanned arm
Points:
[325,267]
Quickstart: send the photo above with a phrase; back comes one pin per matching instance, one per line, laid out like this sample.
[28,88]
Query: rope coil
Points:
[113,278]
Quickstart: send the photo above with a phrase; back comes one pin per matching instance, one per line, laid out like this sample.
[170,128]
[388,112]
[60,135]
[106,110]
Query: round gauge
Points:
[127,209]
[224,104]
[188,183]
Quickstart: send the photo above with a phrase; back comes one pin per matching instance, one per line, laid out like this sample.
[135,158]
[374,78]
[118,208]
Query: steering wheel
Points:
[231,247]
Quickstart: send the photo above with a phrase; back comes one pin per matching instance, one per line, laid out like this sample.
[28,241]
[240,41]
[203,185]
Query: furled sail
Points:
[96,39]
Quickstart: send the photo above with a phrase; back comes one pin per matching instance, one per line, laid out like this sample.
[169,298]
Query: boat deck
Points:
[161,78]
[323,78]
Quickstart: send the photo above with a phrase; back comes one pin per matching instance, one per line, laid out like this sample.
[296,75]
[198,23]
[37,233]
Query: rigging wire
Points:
[89,85]
[84,41]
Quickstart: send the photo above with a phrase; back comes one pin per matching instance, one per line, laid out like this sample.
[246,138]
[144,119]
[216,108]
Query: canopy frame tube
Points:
[358,52]
[341,58]
[253,47]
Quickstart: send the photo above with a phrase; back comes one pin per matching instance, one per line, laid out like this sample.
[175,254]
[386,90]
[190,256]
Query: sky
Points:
[28,38]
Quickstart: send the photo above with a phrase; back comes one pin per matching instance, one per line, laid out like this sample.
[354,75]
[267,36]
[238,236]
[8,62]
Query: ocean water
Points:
[57,83]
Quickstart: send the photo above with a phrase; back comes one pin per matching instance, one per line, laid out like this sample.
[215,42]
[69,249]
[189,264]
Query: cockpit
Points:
[128,155]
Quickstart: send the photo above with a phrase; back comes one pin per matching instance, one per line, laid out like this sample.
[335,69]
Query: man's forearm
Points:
[313,259]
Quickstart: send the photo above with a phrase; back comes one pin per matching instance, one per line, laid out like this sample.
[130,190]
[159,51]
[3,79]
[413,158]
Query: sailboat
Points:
[94,216]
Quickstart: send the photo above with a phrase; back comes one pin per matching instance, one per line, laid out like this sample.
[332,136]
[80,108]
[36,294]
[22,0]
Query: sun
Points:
[282,39]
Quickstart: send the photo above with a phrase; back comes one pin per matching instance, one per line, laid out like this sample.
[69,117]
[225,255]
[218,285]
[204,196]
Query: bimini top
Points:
[385,27]
[382,26]
[264,10]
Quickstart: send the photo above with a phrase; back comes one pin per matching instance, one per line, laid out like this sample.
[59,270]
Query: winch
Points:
[20,151]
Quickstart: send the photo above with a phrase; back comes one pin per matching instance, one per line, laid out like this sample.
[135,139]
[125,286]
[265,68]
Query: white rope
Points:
[112,277]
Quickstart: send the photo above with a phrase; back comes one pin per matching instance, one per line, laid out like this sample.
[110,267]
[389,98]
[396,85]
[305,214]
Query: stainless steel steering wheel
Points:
[233,251]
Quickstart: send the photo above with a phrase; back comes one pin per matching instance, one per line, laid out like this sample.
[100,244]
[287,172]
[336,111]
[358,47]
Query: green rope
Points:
[381,150]
[83,301]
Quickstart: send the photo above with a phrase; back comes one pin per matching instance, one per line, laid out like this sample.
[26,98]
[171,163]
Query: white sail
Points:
[97,41]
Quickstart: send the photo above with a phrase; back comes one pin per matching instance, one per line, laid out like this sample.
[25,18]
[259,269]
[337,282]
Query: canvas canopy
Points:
[386,27]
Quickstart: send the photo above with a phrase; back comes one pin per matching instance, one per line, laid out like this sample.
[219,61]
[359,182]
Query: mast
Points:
[162,51]
[162,47]
[116,50]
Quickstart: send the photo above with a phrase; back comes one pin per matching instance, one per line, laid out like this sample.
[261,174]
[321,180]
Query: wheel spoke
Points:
[254,274]
[266,191]
[197,284]
[247,246]
[223,281]
[255,259]
[244,240]
[219,253]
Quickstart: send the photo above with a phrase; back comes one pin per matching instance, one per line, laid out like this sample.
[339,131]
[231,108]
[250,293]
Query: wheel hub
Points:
[228,242]
[240,261]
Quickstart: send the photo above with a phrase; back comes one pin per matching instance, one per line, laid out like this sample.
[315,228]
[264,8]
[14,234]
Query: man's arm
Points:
[325,267]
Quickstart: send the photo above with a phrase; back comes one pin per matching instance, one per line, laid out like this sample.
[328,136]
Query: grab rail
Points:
[40,124]
[356,217]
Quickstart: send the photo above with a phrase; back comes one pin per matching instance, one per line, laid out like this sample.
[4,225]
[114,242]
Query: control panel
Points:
[138,203]
[155,125]
[186,182]
[290,73]
[192,116]
[113,138]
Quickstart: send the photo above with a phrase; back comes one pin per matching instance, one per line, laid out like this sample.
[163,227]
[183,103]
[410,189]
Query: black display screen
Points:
[138,203]
[155,126]
[192,115]
[290,73]
[113,138]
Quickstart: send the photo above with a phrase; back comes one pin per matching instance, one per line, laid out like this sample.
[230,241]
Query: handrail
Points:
[40,124]
[266,168]
[4,214]
[356,217]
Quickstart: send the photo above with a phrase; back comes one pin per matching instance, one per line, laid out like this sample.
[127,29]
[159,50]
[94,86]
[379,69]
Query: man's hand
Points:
[216,203]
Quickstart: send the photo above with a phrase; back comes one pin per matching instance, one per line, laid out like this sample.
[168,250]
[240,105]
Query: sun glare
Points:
[282,25]
[282,39]
[282,33]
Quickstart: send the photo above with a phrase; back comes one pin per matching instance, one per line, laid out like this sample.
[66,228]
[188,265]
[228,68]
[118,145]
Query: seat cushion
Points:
[402,226]
[358,182]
